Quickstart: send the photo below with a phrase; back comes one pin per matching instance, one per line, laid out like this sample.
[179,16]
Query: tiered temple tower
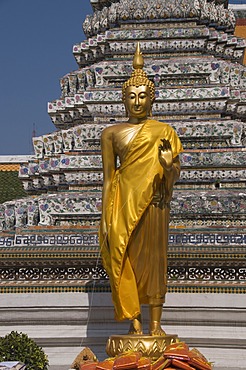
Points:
[49,239]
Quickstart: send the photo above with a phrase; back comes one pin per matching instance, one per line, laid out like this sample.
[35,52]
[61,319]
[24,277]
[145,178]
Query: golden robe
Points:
[136,228]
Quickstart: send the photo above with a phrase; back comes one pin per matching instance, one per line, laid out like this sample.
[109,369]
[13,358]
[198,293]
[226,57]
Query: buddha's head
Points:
[138,92]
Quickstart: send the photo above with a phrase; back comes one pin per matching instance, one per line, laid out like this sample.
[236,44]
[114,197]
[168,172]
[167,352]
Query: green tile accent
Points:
[10,186]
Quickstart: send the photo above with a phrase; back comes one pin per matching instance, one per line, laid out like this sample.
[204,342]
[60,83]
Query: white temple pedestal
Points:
[63,323]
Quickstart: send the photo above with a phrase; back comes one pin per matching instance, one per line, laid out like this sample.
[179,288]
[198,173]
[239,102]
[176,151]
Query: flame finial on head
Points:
[139,76]
[138,61]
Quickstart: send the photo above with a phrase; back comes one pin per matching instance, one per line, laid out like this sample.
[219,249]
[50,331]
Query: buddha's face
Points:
[137,102]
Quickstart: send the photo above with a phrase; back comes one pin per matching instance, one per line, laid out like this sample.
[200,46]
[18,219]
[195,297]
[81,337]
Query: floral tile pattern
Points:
[47,209]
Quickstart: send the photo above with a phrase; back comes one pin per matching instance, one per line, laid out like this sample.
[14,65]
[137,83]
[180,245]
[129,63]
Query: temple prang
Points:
[49,239]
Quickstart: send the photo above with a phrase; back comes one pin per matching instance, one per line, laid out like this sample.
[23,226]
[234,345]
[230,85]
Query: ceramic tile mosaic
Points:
[51,206]
[81,136]
[23,171]
[160,45]
[221,159]
[212,174]
[88,177]
[81,162]
[223,202]
[38,146]
[138,34]
[200,240]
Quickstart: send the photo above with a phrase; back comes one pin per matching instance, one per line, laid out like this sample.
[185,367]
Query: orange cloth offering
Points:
[161,363]
[127,361]
[195,353]
[106,364]
[90,365]
[198,360]
[200,364]
[177,356]
[144,363]
[182,365]
[184,359]
[179,351]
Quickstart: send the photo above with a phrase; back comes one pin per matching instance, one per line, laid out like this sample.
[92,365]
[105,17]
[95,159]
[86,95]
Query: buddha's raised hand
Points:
[165,154]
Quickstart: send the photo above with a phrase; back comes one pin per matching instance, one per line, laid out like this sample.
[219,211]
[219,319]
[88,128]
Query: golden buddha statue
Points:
[136,203]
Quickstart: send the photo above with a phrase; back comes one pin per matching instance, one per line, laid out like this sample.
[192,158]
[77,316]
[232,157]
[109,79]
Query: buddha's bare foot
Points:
[155,329]
[135,327]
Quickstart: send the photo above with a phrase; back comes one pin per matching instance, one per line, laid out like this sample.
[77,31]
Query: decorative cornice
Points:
[150,10]
[100,4]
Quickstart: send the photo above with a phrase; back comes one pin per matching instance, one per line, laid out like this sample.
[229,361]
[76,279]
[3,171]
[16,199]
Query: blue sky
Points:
[36,38]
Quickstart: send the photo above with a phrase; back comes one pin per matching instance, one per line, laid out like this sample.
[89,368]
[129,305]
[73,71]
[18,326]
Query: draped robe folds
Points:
[132,190]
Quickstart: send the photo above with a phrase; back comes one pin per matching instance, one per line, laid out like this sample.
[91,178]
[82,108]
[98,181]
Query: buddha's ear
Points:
[127,115]
[151,106]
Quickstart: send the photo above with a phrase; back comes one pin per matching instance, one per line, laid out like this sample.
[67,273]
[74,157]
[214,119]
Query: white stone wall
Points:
[15,158]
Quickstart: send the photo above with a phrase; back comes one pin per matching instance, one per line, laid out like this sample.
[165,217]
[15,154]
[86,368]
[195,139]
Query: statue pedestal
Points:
[148,345]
